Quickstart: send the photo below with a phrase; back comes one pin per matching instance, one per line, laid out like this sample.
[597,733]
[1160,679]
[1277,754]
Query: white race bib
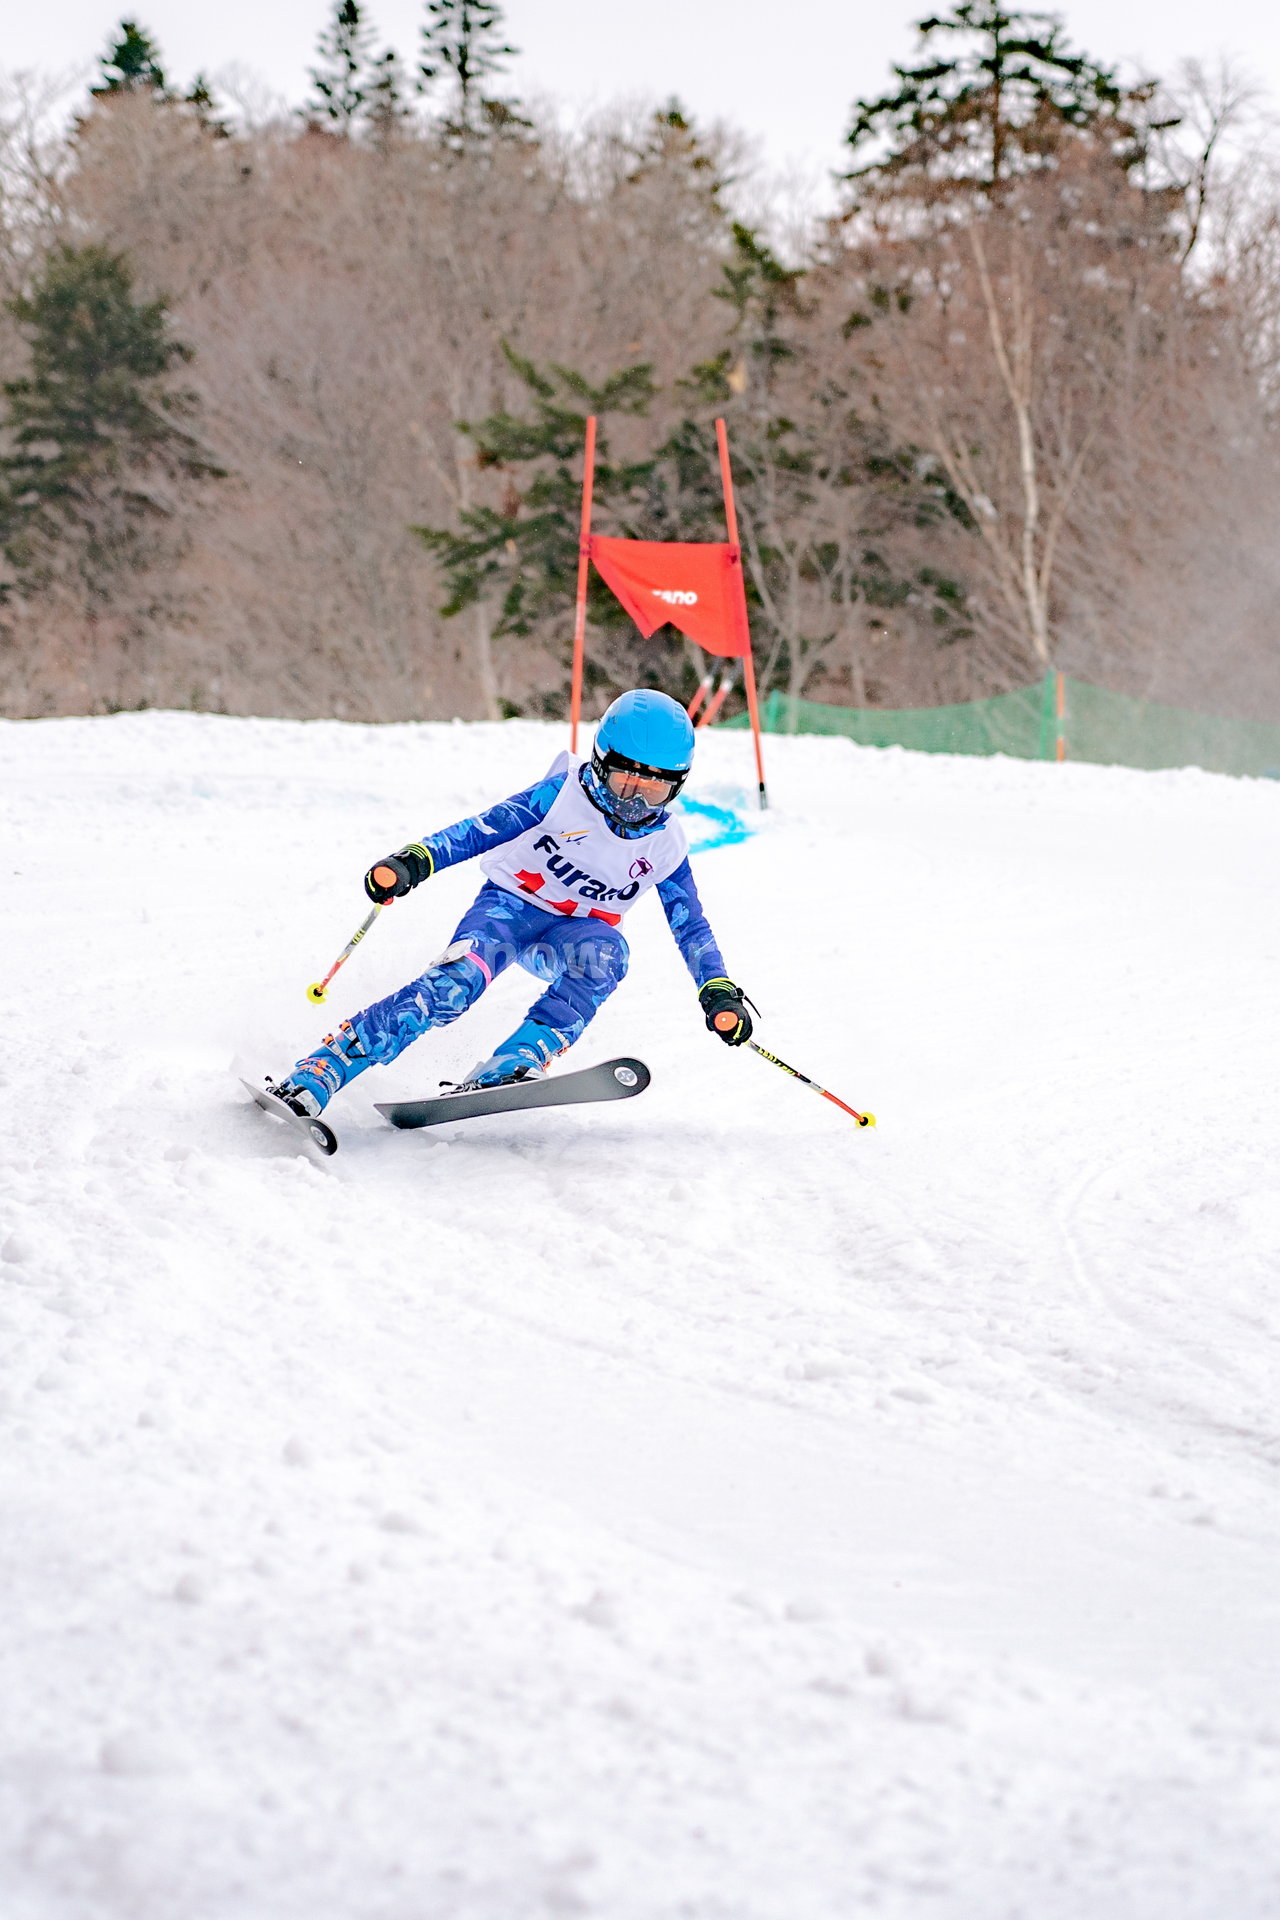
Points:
[572,863]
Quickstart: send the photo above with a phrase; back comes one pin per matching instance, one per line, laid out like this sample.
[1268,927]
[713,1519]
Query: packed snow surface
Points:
[691,1508]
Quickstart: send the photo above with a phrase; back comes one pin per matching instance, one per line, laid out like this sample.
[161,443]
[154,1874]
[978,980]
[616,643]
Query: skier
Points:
[564,860]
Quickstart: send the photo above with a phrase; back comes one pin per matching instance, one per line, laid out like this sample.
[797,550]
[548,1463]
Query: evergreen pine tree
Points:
[462,42]
[199,98]
[341,83]
[526,550]
[671,156]
[133,63]
[387,110]
[994,94]
[99,436]
[828,498]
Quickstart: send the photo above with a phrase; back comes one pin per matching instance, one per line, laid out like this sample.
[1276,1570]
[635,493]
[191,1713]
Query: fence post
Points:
[1046,715]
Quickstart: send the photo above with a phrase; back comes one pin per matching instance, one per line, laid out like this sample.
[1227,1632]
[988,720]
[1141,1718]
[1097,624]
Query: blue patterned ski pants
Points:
[581,960]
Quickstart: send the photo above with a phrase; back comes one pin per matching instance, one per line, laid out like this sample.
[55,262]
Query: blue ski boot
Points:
[523,1056]
[310,1086]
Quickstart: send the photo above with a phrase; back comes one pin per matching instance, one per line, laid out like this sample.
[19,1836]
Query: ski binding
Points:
[316,1131]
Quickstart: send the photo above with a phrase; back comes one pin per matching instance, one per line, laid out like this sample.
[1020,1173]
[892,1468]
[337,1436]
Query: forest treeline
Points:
[294,404]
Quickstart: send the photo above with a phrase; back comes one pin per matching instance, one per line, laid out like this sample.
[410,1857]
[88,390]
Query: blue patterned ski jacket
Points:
[508,818]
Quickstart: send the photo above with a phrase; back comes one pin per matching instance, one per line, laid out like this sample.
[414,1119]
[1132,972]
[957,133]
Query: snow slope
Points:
[694,1508]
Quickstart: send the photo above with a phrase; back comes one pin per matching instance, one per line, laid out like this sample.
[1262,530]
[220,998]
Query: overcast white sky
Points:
[786,74]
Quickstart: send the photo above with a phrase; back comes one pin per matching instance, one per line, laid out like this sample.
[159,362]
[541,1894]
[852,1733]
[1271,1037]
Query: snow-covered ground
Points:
[699,1508]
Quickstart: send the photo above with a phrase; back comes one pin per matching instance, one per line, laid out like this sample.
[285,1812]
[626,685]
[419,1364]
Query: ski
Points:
[610,1080]
[316,1131]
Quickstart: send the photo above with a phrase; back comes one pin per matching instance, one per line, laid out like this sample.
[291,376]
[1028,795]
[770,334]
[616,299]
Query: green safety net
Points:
[1108,728]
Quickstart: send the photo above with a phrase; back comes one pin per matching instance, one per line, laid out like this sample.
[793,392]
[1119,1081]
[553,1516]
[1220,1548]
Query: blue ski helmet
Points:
[642,755]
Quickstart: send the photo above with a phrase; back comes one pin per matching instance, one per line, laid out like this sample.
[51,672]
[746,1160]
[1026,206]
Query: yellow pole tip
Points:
[315,992]
[868,1119]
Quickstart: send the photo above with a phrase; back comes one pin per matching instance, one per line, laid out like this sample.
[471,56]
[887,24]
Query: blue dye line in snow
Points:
[724,827]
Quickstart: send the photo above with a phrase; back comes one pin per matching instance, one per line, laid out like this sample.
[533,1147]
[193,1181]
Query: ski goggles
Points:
[628,780]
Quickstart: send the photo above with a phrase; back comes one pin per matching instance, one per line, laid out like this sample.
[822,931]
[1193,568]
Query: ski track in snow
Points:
[699,1509]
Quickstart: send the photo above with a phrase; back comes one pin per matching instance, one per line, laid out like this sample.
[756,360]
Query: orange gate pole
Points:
[735,554]
[704,688]
[714,705]
[584,562]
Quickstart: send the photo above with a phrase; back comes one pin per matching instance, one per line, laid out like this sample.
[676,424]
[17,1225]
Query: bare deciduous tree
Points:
[1026,417]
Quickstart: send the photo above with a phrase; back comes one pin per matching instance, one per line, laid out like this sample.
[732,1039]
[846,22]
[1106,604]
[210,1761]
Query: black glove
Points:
[726,1009]
[398,874]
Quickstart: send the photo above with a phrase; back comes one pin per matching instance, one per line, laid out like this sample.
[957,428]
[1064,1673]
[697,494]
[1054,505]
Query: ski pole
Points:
[316,991]
[863,1119]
